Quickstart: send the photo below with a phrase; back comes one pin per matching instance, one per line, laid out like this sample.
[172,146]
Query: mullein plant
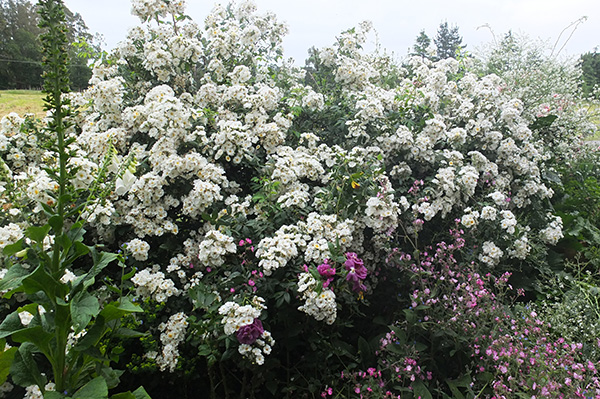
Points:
[57,343]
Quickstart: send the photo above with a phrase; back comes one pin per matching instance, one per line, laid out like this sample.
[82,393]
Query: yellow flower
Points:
[355,184]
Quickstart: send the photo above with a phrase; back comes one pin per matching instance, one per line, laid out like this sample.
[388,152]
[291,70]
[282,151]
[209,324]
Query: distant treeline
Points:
[20,49]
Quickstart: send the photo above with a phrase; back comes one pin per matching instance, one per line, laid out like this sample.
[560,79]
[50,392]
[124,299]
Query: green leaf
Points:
[34,332]
[228,354]
[79,249]
[92,336]
[395,348]
[204,350]
[128,333]
[400,334]
[13,279]
[40,280]
[141,393]
[77,232]
[36,335]
[11,324]
[101,260]
[24,371]
[455,392]
[421,390]
[95,389]
[55,395]
[111,376]
[83,308]
[484,377]
[12,249]
[6,359]
[56,222]
[38,234]
[367,355]
[117,310]
[410,316]
[543,122]
[123,395]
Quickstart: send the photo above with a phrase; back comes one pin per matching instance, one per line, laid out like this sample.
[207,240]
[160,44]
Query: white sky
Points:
[398,22]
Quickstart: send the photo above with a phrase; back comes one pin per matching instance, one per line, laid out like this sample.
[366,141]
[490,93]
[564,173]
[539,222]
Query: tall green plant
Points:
[63,330]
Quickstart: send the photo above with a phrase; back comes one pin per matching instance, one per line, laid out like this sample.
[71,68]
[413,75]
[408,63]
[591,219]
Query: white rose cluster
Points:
[10,234]
[257,351]
[214,247]
[491,253]
[172,334]
[34,392]
[150,283]
[243,320]
[138,249]
[147,9]
[320,305]
[553,232]
[310,237]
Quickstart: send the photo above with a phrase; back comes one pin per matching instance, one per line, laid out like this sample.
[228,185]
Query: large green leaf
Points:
[55,395]
[6,359]
[84,307]
[123,395]
[456,394]
[40,280]
[139,393]
[12,249]
[111,376]
[24,370]
[128,333]
[11,324]
[77,232]
[78,250]
[95,389]
[101,260]
[92,336]
[420,390]
[33,333]
[56,222]
[13,279]
[38,233]
[116,310]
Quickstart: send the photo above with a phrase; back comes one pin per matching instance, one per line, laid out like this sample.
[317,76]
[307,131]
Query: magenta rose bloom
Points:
[326,270]
[356,271]
[248,334]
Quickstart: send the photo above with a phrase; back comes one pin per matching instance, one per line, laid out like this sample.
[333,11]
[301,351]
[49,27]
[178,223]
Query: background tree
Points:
[20,49]
[421,46]
[20,55]
[590,71]
[447,41]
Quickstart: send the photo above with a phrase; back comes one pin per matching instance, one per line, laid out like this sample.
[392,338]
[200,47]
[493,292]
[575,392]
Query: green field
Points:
[595,111]
[21,102]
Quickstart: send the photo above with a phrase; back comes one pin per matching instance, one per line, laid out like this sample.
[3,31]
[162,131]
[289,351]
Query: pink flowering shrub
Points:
[528,360]
[459,333]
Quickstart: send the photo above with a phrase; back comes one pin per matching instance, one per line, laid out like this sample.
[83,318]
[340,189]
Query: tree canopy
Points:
[421,46]
[590,70]
[447,41]
[20,50]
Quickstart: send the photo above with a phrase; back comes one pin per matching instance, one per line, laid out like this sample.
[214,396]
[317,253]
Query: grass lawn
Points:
[21,102]
[594,110]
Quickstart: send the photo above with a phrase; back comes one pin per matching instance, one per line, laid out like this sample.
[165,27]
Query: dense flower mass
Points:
[251,201]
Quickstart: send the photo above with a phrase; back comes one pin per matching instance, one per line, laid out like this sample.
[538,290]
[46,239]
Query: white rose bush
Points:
[352,228]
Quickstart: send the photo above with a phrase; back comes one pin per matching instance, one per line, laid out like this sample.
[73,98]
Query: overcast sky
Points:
[398,22]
